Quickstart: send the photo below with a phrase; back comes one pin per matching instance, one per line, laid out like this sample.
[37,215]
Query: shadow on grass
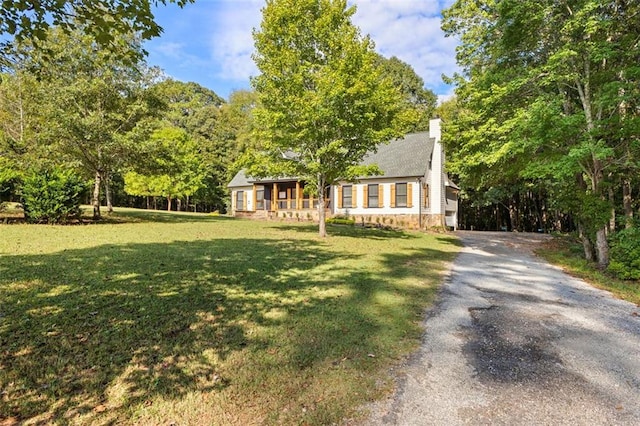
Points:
[347,231]
[141,215]
[450,240]
[122,215]
[116,326]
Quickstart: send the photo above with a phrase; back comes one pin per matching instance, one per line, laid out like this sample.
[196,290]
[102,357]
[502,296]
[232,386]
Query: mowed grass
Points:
[160,318]
[566,252]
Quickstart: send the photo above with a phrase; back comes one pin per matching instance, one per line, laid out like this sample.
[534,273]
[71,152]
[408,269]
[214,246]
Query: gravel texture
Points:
[515,341]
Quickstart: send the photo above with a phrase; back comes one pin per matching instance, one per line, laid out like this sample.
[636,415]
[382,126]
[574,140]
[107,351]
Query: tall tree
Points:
[321,95]
[16,106]
[92,102]
[545,88]
[200,112]
[105,21]
[185,104]
[176,169]
[235,129]
[419,98]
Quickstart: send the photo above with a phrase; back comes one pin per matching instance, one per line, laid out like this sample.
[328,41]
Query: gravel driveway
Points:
[514,340]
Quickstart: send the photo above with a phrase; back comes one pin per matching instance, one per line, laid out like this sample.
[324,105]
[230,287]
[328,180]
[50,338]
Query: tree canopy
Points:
[549,99]
[411,85]
[90,101]
[103,20]
[175,170]
[321,94]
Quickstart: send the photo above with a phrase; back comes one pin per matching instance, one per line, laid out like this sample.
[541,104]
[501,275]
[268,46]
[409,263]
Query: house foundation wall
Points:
[404,221]
[306,215]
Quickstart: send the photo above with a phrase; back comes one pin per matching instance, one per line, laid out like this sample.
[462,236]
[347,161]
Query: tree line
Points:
[545,129]
[123,125]
[137,137]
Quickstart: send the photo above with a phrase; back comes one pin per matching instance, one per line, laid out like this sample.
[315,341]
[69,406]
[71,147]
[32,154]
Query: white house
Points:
[413,191]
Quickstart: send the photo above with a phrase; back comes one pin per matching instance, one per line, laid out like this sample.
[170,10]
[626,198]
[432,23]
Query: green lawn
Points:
[567,252]
[154,317]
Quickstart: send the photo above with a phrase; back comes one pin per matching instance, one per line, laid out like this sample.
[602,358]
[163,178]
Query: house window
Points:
[260,199]
[372,196]
[239,200]
[346,196]
[401,195]
[282,200]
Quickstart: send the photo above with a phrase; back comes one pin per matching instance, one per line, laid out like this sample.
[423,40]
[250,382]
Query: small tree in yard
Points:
[322,98]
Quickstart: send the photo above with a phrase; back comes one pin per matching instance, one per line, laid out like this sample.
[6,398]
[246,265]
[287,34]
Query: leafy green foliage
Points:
[189,106]
[566,251]
[52,196]
[8,174]
[103,20]
[321,94]
[96,108]
[340,221]
[175,170]
[625,253]
[421,100]
[213,125]
[543,102]
[235,129]
[20,123]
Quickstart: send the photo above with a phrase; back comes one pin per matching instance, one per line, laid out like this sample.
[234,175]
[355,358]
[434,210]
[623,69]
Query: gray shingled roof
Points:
[240,179]
[406,157]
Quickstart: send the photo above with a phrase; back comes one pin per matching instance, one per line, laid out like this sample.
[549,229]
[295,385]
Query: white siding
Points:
[248,193]
[436,185]
[386,209]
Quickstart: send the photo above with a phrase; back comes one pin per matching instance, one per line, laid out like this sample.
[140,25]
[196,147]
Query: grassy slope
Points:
[204,320]
[567,253]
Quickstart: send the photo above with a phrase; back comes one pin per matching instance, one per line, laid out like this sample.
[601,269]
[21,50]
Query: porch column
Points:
[274,201]
[297,195]
[255,198]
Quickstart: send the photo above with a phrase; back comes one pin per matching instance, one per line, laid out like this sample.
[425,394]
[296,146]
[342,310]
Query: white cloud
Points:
[446,97]
[231,41]
[215,38]
[170,50]
[410,30]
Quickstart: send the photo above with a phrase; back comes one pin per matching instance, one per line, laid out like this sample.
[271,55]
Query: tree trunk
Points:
[540,213]
[179,204]
[627,203]
[596,174]
[148,202]
[322,224]
[602,247]
[96,196]
[587,245]
[513,215]
[107,192]
[612,219]
[169,203]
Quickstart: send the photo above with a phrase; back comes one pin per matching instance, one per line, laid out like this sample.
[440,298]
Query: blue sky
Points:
[209,42]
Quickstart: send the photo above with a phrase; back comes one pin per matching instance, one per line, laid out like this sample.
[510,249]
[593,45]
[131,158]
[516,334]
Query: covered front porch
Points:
[285,197]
